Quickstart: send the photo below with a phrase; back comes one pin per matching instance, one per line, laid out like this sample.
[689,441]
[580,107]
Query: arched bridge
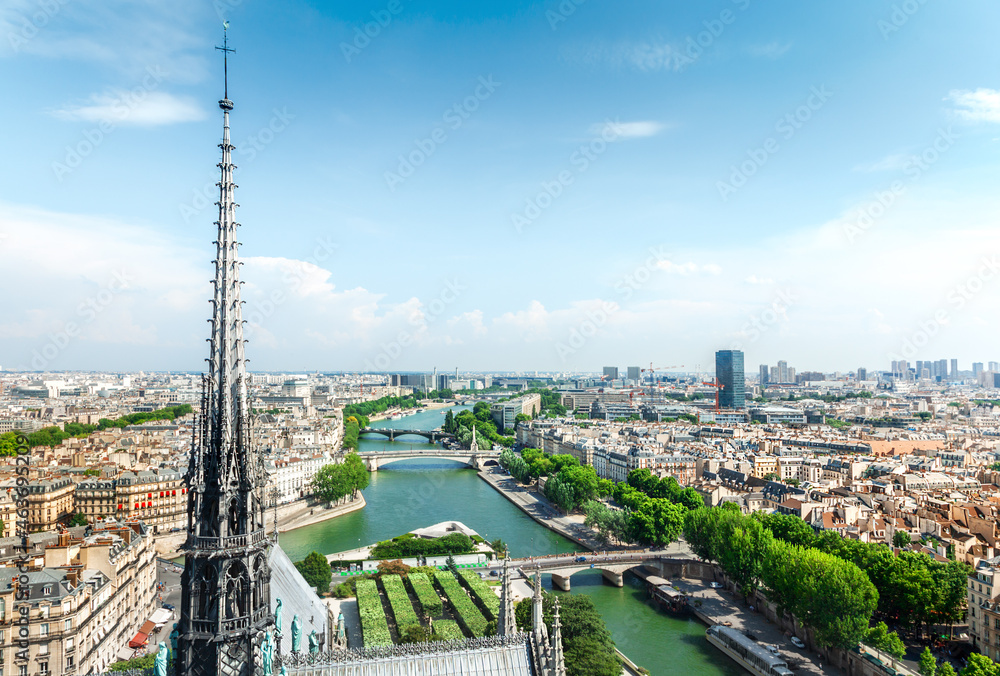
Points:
[611,564]
[375,459]
[392,433]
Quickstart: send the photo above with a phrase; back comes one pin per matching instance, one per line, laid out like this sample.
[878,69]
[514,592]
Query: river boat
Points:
[665,597]
[747,653]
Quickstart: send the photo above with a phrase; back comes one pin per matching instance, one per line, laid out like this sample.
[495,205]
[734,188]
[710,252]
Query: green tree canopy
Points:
[316,571]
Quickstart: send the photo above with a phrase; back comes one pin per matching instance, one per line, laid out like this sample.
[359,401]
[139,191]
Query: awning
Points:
[147,627]
[161,616]
[125,654]
[138,640]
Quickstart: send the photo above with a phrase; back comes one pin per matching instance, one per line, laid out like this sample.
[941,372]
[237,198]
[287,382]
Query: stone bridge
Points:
[391,433]
[612,566]
[375,459]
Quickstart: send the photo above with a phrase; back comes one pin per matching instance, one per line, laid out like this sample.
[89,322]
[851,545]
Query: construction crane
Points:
[653,369]
[718,386]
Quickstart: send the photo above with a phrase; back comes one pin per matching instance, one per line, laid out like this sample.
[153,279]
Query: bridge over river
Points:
[392,433]
[474,459]
[611,564]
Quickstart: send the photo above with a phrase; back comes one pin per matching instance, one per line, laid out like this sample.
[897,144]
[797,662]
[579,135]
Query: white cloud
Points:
[689,268]
[980,105]
[645,56]
[754,279]
[626,130]
[150,108]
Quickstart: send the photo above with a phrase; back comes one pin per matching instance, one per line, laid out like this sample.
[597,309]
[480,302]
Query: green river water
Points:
[418,493]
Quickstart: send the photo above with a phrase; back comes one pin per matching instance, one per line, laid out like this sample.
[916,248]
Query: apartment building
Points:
[156,497]
[50,503]
[984,587]
[505,412]
[85,603]
[291,476]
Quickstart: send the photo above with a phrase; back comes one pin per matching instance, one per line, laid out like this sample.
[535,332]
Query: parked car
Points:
[715,585]
[581,559]
[168,606]
[493,573]
[797,642]
[773,649]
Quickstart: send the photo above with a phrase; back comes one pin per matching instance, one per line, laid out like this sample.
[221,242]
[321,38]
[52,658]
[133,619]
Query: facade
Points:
[50,503]
[610,373]
[732,382]
[633,373]
[157,497]
[86,602]
[505,412]
[225,610]
[291,477]
[984,588]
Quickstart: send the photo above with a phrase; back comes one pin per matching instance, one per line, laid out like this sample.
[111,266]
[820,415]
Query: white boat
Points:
[748,654]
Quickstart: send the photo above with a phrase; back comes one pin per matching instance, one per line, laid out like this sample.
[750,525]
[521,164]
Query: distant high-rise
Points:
[783,372]
[791,375]
[862,374]
[977,368]
[611,373]
[773,378]
[729,373]
[954,369]
[763,375]
[994,366]
[633,373]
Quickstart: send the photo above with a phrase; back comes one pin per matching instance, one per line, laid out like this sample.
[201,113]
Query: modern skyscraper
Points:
[225,598]
[729,373]
[954,369]
[783,372]
[633,373]
[763,375]
[611,373]
[994,366]
[862,374]
[977,368]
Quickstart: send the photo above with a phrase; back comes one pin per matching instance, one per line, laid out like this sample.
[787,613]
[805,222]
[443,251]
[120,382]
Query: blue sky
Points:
[591,183]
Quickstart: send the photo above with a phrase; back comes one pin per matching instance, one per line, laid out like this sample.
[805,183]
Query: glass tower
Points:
[729,373]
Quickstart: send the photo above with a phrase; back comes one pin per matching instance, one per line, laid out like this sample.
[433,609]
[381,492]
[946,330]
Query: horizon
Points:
[525,186]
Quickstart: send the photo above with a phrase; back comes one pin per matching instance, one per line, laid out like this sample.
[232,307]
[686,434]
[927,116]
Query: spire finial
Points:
[225,66]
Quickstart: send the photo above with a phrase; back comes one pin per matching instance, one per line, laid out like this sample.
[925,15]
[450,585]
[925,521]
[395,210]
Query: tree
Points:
[396,567]
[979,665]
[946,669]
[331,483]
[744,555]
[928,665]
[9,441]
[78,519]
[499,546]
[137,664]
[316,571]
[587,643]
[357,474]
[881,638]
[901,539]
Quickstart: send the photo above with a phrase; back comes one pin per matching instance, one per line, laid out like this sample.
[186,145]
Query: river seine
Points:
[413,494]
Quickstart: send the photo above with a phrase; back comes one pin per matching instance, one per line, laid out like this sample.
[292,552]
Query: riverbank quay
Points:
[300,513]
[540,509]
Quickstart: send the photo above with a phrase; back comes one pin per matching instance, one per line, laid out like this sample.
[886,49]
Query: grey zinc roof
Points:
[297,598]
[507,658]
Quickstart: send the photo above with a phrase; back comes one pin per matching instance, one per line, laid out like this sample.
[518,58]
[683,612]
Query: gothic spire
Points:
[225,588]
[537,615]
[506,624]
[557,667]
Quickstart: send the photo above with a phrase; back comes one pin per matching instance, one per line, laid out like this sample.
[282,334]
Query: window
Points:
[45,609]
[43,667]
[43,629]
[68,625]
[69,643]
[43,648]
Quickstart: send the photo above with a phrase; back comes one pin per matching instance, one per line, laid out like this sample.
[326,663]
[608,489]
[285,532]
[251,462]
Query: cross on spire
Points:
[225,49]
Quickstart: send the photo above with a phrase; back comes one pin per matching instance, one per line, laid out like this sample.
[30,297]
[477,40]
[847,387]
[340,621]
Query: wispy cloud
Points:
[771,50]
[754,279]
[623,130]
[122,107]
[893,162]
[980,105]
[646,56]
[689,268]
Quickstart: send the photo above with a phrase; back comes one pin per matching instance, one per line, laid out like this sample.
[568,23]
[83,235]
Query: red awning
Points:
[147,628]
[138,641]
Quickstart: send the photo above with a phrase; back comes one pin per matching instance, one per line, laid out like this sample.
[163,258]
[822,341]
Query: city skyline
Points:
[846,201]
